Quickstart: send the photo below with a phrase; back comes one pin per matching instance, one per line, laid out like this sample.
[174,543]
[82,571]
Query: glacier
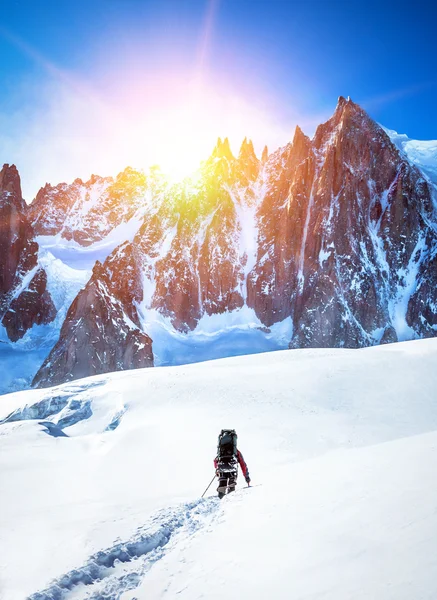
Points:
[101,480]
[422,153]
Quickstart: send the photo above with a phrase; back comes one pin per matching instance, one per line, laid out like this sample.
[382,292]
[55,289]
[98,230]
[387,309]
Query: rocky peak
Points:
[346,107]
[220,166]
[17,251]
[348,114]
[223,150]
[51,205]
[85,211]
[42,193]
[95,179]
[264,155]
[129,175]
[101,331]
[246,151]
[348,121]
[352,147]
[342,102]
[10,185]
[340,230]
[24,299]
[301,146]
[247,165]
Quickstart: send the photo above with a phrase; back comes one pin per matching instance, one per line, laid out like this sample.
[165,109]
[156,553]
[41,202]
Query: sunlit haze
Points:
[104,85]
[171,123]
[169,119]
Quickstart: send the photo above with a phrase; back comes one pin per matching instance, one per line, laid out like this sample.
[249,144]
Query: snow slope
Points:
[342,450]
[422,153]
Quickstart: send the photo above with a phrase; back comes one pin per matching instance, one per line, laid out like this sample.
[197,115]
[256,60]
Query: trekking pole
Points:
[209,485]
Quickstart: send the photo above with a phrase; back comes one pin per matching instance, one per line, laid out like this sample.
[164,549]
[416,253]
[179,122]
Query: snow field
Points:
[342,445]
[352,524]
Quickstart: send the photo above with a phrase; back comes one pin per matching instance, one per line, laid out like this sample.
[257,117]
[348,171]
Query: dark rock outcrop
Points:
[341,233]
[264,155]
[102,332]
[33,306]
[24,299]
[273,282]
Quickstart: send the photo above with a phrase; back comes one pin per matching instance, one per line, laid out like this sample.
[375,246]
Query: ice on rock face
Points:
[422,153]
[21,360]
[40,410]
[217,336]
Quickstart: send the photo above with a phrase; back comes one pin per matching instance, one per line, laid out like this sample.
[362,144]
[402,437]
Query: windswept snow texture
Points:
[121,567]
[342,450]
[422,153]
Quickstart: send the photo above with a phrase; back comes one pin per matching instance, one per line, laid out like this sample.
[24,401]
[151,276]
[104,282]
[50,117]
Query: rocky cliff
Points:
[336,234]
[101,332]
[24,300]
[345,229]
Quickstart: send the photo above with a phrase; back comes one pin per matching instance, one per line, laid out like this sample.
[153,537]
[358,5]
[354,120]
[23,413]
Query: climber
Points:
[226,462]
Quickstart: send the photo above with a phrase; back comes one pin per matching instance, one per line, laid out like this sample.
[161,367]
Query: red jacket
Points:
[241,462]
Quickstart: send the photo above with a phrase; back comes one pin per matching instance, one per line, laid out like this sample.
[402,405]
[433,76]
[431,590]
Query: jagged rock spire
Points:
[101,331]
[247,151]
[223,149]
[19,258]
[10,183]
[301,142]
[264,155]
[352,120]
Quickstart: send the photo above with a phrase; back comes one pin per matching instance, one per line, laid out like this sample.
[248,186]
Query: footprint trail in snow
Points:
[109,573]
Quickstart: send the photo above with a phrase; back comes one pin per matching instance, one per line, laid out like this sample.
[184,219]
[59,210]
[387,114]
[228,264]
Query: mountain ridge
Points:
[334,235]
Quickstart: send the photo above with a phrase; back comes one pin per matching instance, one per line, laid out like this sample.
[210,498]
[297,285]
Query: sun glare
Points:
[142,120]
[177,128]
[182,139]
[176,136]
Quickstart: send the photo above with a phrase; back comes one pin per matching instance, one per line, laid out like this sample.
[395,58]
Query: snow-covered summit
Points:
[422,153]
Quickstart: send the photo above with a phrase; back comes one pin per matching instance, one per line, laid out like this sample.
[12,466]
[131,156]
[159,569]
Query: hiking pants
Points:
[226,480]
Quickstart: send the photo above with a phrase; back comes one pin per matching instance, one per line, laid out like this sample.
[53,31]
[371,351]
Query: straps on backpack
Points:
[227,443]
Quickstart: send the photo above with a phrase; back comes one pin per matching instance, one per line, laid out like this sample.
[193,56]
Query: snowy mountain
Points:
[421,153]
[329,242]
[112,339]
[87,212]
[102,478]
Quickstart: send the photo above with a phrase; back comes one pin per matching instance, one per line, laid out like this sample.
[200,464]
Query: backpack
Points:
[227,444]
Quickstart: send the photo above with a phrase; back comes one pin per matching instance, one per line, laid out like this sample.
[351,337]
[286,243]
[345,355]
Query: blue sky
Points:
[86,86]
